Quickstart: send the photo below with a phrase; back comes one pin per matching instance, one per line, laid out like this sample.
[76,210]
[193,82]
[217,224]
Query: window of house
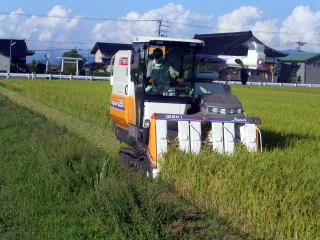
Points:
[316,64]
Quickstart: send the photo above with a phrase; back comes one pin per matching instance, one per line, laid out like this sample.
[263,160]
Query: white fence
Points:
[53,76]
[272,84]
[98,78]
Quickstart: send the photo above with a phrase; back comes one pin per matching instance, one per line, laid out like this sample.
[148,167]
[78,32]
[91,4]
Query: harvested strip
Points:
[98,135]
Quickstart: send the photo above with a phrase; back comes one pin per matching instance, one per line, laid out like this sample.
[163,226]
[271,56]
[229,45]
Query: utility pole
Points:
[299,45]
[160,26]
[47,56]
[11,44]
[9,69]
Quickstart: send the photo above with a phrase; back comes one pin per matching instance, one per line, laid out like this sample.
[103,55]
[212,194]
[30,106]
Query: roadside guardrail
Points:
[271,84]
[53,76]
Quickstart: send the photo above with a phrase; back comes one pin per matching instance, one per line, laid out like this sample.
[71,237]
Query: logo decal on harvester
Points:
[172,116]
[123,61]
[236,119]
[118,104]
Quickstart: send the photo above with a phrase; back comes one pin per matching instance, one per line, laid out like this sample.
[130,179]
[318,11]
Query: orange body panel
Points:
[122,110]
[152,145]
[131,106]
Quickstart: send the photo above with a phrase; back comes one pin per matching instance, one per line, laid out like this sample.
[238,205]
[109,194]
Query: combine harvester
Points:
[161,96]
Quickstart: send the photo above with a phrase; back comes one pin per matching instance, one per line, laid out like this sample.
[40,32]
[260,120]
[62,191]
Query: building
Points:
[13,53]
[300,67]
[237,44]
[104,51]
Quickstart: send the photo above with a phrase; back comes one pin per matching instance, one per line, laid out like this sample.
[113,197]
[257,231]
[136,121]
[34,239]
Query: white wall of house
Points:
[4,63]
[98,56]
[301,72]
[270,60]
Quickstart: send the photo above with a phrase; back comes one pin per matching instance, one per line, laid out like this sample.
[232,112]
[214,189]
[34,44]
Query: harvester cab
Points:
[158,98]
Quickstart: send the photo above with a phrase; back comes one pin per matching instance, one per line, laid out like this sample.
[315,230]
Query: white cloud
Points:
[71,29]
[248,18]
[302,25]
[266,31]
[40,28]
[124,31]
[9,23]
[52,28]
[239,19]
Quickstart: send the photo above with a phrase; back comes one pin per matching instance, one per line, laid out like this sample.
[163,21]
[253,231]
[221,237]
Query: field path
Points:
[96,134]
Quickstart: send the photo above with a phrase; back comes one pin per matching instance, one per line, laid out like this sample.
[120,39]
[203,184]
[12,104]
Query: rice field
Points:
[55,184]
[274,194]
[271,195]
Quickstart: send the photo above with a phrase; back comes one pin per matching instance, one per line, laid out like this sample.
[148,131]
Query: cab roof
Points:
[144,39]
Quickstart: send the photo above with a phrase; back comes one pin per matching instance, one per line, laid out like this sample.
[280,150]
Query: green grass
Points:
[88,101]
[273,195]
[55,185]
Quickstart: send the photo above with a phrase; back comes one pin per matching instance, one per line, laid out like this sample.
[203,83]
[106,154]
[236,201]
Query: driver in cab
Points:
[160,73]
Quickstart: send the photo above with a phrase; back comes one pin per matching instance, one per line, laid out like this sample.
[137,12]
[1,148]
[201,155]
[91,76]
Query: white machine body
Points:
[134,112]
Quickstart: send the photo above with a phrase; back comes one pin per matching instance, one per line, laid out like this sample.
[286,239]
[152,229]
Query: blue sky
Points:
[106,8]
[278,23]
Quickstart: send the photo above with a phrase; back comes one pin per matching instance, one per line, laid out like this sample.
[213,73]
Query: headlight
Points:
[146,123]
[225,111]
[214,110]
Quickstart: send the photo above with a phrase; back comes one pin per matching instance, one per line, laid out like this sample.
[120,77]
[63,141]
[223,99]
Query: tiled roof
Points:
[232,44]
[109,49]
[300,57]
[18,48]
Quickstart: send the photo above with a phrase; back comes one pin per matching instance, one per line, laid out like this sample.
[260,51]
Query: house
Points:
[237,44]
[300,67]
[13,53]
[104,51]
[95,66]
[103,54]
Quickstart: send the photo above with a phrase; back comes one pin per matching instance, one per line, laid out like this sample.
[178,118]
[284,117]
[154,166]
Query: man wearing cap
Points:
[161,73]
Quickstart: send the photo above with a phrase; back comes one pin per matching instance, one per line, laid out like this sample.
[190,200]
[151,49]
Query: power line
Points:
[51,41]
[91,43]
[60,49]
[160,29]
[236,29]
[159,21]
[286,44]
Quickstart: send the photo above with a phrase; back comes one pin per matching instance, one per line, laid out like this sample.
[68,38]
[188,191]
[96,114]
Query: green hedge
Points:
[100,74]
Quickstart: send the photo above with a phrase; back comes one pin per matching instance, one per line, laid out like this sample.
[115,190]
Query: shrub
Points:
[100,74]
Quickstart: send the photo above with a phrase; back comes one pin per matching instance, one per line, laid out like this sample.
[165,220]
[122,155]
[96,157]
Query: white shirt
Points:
[161,72]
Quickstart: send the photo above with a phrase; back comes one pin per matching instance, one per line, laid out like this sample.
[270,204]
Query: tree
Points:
[293,77]
[32,67]
[70,68]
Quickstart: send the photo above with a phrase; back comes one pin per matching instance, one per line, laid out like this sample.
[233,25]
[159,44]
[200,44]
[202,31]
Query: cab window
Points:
[170,71]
